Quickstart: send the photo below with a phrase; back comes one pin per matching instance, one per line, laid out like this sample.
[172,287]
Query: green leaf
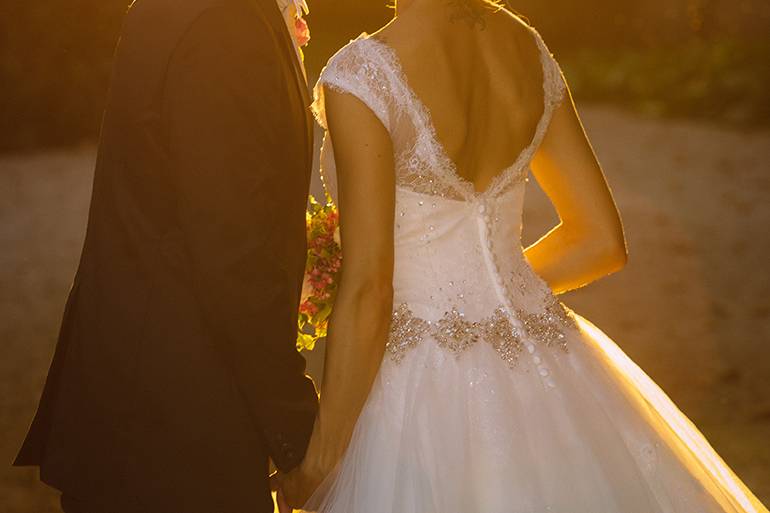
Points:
[305,342]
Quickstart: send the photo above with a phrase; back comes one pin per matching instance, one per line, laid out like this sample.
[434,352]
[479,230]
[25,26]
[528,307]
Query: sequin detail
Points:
[548,327]
[456,334]
[406,331]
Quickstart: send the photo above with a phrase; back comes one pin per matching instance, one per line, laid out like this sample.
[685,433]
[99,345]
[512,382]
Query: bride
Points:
[455,381]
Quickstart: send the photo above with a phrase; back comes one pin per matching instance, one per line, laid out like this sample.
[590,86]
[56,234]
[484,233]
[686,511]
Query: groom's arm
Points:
[227,132]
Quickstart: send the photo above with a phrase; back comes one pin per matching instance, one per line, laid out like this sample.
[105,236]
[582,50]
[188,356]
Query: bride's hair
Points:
[490,4]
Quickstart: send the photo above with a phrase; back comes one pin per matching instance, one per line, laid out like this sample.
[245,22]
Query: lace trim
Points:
[456,334]
[371,70]
[359,74]
[428,160]
[420,169]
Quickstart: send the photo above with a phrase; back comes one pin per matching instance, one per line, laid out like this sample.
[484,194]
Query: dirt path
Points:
[691,307]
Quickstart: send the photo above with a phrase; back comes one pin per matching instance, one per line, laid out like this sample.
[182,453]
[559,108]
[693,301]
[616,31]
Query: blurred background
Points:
[674,97]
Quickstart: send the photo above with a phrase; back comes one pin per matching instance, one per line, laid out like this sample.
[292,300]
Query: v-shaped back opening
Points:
[499,180]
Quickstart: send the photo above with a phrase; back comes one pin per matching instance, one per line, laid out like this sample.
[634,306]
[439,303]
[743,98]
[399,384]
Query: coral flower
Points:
[301,31]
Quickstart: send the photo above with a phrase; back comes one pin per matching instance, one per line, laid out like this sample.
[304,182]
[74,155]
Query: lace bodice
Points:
[370,70]
[460,275]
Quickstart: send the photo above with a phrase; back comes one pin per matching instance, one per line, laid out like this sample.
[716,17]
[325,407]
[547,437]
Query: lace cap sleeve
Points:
[553,79]
[358,71]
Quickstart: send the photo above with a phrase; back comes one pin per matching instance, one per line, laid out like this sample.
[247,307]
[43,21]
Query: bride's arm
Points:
[360,320]
[588,243]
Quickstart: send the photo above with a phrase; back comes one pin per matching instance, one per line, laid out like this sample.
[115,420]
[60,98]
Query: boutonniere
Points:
[294,12]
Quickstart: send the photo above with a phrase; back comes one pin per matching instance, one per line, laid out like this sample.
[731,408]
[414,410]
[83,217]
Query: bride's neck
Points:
[471,10]
[403,6]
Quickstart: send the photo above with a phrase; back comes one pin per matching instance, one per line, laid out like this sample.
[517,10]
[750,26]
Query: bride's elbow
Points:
[611,254]
[603,244]
[601,248]
[616,262]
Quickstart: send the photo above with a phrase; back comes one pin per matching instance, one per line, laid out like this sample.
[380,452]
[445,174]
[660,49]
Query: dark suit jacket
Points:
[176,375]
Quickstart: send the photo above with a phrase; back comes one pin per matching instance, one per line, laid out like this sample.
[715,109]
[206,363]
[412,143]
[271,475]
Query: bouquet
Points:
[324,259]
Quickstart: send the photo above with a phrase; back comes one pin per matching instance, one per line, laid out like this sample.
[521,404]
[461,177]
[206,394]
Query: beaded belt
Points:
[456,334]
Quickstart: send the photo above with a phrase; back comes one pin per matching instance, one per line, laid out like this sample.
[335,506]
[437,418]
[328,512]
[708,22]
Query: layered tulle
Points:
[464,433]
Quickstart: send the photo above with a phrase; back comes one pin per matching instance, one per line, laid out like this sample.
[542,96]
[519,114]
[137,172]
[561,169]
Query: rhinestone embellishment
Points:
[456,334]
[547,327]
[406,331]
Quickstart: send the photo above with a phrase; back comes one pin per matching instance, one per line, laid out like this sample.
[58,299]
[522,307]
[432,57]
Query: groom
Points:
[175,378]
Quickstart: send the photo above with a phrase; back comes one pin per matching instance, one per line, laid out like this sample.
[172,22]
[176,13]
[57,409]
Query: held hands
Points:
[324,451]
[275,486]
[295,488]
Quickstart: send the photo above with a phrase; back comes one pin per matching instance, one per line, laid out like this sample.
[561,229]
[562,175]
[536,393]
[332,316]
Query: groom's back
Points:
[140,413]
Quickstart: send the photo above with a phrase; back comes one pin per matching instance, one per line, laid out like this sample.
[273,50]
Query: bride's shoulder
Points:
[354,54]
[352,46]
[360,68]
[514,21]
[519,38]
[363,62]
[515,28]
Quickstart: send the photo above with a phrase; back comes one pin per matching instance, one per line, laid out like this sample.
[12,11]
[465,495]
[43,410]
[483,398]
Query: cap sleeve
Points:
[354,70]
[554,84]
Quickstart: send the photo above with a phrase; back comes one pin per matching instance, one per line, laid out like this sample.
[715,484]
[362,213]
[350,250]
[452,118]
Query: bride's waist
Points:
[456,328]
[477,290]
[476,300]
[429,286]
[432,305]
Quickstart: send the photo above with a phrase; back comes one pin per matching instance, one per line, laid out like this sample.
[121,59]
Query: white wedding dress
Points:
[493,397]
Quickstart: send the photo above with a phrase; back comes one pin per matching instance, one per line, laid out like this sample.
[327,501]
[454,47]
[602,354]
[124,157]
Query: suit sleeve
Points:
[226,99]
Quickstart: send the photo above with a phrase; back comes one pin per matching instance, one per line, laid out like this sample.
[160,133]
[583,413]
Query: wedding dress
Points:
[494,397]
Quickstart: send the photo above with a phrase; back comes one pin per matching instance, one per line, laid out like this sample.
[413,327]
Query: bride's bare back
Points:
[481,82]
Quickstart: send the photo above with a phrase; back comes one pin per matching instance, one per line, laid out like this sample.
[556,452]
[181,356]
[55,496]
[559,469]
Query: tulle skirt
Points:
[583,431]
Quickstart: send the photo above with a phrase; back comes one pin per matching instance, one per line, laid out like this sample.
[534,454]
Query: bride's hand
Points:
[298,485]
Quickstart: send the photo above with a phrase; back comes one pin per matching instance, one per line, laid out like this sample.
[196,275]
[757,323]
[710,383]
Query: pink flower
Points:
[309,308]
[301,31]
[323,263]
